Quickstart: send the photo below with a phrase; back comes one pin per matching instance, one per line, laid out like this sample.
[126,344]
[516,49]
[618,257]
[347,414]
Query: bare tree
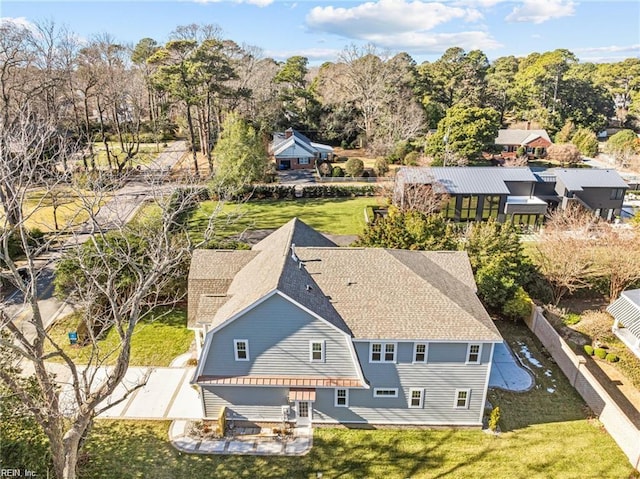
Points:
[125,271]
[564,252]
[428,198]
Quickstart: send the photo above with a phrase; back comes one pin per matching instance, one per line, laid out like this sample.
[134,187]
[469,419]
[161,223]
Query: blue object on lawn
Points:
[73,337]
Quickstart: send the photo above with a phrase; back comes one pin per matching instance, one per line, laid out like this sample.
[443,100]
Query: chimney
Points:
[288,133]
[528,124]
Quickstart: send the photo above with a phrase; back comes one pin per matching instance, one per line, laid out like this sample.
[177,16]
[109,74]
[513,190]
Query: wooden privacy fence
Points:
[615,420]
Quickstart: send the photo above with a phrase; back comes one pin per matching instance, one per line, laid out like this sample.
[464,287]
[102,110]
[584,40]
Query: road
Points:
[123,206]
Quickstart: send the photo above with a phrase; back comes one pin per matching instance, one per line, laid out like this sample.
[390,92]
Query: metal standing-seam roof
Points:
[488,180]
[576,179]
[626,309]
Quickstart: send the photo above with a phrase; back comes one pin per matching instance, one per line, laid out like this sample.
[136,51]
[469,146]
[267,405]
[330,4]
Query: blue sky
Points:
[593,30]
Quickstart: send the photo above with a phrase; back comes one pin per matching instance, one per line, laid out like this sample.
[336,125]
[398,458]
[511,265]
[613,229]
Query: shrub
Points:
[518,307]
[571,318]
[381,167]
[337,172]
[586,141]
[588,349]
[600,353]
[354,167]
[334,191]
[325,168]
[494,418]
[521,151]
[612,358]
[411,158]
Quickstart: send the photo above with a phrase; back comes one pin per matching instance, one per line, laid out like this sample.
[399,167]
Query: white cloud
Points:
[20,22]
[540,11]
[610,49]
[322,54]
[386,17]
[427,43]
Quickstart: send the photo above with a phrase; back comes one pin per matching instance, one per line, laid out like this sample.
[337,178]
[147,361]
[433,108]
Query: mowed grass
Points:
[71,210]
[572,449]
[146,154]
[544,435]
[340,216]
[156,340]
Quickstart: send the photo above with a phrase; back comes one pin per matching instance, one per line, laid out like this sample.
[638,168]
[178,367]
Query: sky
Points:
[597,31]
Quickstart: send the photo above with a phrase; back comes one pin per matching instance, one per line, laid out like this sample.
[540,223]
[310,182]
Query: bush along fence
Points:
[279,192]
[624,431]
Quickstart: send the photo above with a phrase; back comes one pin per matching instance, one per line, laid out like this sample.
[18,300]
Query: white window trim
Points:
[322,351]
[421,391]
[235,349]
[415,350]
[469,352]
[383,349]
[376,390]
[304,161]
[335,397]
[455,399]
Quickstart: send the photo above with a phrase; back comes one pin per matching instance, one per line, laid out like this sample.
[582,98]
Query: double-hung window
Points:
[382,352]
[462,399]
[241,349]
[420,353]
[473,353]
[416,398]
[341,398]
[316,351]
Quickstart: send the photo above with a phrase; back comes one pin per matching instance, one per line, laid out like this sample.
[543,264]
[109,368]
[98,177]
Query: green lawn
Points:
[70,209]
[572,449]
[544,434]
[146,154]
[156,341]
[343,216]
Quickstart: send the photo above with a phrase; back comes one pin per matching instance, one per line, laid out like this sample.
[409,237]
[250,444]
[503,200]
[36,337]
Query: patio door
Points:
[304,413]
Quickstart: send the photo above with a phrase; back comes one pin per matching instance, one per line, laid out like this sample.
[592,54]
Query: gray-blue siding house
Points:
[322,334]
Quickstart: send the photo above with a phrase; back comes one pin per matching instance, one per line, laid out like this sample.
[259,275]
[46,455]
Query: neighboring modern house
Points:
[293,150]
[601,191]
[515,194]
[626,313]
[299,328]
[511,140]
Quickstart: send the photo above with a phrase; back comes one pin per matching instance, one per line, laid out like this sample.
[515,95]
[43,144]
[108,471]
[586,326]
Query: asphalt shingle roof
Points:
[520,137]
[368,293]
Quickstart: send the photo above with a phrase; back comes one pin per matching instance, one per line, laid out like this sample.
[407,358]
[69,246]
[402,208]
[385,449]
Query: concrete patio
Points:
[250,441]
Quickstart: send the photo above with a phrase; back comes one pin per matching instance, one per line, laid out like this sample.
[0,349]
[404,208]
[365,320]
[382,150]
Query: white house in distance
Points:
[293,151]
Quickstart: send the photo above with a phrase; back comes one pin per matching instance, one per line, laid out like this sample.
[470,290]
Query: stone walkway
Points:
[257,442]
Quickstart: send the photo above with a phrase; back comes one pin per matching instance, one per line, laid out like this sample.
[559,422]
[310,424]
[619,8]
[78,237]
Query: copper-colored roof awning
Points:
[301,394]
[286,381]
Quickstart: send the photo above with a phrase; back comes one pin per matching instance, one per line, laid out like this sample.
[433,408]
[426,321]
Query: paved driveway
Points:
[296,177]
[166,395]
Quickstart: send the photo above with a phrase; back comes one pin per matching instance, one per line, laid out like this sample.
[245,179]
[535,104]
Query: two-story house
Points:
[323,334]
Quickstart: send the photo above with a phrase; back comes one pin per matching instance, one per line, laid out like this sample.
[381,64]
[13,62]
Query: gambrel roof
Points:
[368,293]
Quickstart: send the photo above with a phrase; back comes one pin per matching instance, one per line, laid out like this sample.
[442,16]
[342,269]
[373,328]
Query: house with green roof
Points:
[299,329]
